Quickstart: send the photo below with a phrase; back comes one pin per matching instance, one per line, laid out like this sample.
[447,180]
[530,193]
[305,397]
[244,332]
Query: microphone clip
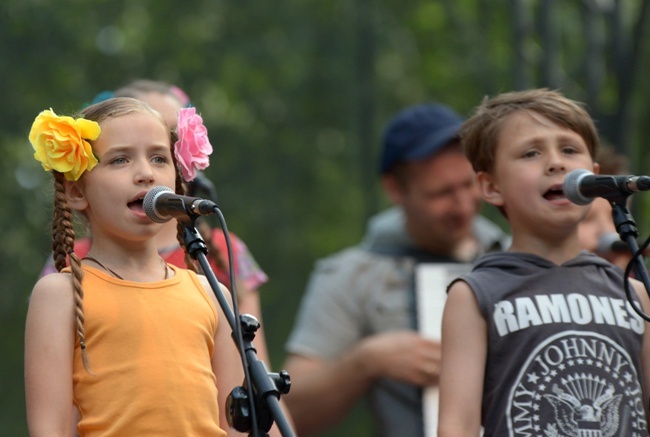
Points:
[194,243]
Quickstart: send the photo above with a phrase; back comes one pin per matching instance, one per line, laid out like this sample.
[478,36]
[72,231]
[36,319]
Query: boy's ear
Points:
[489,189]
[75,196]
[394,190]
[596,168]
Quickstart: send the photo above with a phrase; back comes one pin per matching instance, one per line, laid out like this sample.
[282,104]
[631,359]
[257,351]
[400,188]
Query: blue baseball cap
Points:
[418,132]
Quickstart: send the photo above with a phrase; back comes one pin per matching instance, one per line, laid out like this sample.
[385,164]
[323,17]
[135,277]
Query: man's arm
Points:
[323,391]
[332,361]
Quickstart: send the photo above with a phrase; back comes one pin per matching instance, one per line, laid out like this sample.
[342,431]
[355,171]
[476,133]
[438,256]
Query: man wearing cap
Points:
[355,331]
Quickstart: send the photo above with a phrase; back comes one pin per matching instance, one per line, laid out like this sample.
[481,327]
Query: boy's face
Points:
[532,159]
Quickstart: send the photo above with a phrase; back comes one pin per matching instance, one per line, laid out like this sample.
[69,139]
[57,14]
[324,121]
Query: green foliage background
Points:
[295,95]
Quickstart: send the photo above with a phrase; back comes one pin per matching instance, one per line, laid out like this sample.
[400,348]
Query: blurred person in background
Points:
[168,99]
[596,231]
[355,332]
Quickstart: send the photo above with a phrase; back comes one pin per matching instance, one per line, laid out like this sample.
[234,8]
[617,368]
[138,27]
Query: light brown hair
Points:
[480,133]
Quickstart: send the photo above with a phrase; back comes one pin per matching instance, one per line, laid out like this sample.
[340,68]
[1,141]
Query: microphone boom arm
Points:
[262,389]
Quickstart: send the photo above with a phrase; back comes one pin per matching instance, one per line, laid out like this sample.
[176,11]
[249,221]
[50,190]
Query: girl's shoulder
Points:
[53,286]
[51,305]
[208,289]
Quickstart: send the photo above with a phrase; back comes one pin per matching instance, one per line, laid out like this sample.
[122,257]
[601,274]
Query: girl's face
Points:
[134,155]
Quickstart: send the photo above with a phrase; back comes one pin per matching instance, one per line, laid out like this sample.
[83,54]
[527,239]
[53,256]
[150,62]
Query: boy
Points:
[539,340]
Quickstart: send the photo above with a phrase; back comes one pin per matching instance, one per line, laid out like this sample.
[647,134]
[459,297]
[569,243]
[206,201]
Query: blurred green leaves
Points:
[295,95]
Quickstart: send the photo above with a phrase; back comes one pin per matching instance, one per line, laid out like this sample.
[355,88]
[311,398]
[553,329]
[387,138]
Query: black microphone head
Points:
[149,204]
[571,187]
[611,242]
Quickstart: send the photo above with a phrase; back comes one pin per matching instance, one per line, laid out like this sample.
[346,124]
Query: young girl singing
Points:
[138,346]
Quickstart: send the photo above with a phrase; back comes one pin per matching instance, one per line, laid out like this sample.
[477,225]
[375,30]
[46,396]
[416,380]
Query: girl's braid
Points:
[63,236]
[189,262]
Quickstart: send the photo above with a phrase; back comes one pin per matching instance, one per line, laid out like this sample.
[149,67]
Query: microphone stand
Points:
[264,387]
[626,228]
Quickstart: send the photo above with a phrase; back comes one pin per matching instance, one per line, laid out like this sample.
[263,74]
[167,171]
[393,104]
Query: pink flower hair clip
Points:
[193,148]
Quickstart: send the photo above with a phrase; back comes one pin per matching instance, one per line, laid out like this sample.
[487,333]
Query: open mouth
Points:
[136,203]
[554,193]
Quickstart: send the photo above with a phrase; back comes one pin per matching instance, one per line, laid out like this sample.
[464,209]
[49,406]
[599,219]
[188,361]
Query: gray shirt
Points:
[366,290]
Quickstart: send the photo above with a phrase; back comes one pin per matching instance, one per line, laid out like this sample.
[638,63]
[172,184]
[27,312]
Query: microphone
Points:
[582,186]
[611,242]
[161,204]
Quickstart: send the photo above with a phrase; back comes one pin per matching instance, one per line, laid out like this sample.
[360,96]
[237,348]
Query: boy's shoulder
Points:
[511,260]
[500,270]
[534,261]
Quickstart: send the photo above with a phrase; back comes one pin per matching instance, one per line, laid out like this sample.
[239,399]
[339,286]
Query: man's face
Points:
[440,199]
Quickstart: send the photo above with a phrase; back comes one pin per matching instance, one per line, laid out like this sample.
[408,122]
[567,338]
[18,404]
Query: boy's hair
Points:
[480,133]
[63,234]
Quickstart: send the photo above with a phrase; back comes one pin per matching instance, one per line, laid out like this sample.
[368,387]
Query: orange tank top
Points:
[149,347]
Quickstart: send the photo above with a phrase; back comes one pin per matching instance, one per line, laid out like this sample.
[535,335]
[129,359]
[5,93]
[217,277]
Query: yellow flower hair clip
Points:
[61,143]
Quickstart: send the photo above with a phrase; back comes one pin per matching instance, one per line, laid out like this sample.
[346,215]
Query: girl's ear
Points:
[489,189]
[75,196]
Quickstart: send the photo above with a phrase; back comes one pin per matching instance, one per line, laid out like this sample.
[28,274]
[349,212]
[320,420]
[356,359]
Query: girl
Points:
[128,339]
[168,100]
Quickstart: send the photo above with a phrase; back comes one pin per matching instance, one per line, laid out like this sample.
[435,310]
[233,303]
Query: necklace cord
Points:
[96,261]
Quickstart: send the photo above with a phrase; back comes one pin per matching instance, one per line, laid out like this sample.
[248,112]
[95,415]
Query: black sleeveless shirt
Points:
[564,348]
